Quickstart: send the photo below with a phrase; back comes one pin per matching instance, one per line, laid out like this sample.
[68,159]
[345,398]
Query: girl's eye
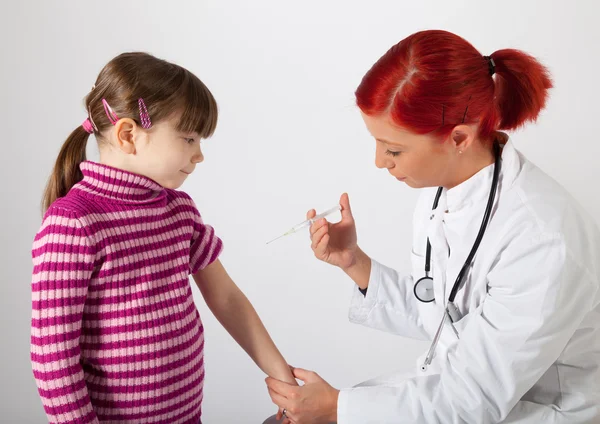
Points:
[394,154]
[189,140]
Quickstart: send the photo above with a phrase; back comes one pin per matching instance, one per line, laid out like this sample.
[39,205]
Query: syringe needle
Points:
[308,222]
[276,238]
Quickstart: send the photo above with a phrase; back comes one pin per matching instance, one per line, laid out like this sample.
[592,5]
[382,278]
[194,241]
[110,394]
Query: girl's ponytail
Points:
[66,172]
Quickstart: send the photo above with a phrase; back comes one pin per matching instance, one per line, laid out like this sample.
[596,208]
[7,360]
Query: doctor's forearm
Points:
[360,270]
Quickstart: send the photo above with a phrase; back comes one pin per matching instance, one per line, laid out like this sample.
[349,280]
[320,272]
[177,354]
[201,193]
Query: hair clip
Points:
[144,117]
[112,116]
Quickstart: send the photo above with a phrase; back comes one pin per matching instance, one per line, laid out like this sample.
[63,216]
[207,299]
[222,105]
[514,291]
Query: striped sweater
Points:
[115,334]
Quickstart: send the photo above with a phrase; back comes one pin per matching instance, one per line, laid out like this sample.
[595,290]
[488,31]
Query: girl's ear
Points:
[126,130]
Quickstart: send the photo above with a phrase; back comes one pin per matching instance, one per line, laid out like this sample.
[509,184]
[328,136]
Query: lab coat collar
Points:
[477,188]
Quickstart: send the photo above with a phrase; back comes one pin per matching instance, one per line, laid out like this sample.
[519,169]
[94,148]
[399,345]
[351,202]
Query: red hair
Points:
[434,80]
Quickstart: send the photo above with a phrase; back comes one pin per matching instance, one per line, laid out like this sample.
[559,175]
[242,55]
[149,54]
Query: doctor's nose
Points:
[381,160]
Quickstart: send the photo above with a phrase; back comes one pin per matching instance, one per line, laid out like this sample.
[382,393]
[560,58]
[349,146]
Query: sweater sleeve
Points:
[63,262]
[205,245]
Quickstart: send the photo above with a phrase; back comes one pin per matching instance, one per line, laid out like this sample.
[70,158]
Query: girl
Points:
[115,335]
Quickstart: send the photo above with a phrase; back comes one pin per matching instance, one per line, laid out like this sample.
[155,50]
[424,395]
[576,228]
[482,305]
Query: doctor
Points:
[505,271]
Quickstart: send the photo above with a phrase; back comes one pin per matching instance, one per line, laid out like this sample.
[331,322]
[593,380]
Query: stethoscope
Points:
[423,288]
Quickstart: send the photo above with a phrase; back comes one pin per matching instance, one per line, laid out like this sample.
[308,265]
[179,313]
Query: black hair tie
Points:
[491,64]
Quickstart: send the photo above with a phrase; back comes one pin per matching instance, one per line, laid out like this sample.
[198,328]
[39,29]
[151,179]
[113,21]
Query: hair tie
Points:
[87,126]
[491,64]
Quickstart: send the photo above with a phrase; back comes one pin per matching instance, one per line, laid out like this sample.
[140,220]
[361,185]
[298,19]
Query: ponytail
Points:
[522,85]
[66,172]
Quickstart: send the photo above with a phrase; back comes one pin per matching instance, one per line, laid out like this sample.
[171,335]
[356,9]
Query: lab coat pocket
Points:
[461,324]
[453,331]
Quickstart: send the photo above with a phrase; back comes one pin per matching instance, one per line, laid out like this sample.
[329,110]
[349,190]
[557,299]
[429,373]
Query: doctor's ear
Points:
[462,137]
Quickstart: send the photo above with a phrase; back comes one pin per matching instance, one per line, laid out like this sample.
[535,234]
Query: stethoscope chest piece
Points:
[423,289]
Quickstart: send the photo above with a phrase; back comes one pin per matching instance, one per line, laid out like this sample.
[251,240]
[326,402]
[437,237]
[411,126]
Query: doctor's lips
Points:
[185,172]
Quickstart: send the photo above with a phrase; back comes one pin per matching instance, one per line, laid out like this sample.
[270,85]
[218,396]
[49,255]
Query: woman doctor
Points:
[505,265]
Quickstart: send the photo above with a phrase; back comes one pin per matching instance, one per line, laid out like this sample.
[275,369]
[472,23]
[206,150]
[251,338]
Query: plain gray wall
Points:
[289,138]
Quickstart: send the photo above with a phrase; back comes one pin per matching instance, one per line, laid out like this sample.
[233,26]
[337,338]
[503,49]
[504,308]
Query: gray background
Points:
[289,138]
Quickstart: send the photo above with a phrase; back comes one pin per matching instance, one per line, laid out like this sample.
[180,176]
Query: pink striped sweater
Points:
[115,334]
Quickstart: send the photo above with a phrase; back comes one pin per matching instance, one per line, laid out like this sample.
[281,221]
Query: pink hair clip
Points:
[112,116]
[144,117]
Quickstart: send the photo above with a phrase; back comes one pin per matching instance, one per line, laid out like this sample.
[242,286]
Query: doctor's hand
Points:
[313,403]
[335,244]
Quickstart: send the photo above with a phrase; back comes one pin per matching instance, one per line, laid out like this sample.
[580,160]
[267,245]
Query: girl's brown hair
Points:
[166,88]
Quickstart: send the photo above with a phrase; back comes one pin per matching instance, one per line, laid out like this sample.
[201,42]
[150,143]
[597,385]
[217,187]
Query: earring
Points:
[460,152]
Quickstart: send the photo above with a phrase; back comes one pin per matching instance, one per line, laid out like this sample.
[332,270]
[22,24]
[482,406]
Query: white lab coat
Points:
[529,341]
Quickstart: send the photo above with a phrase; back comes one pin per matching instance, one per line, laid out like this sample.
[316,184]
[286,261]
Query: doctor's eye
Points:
[394,154]
[189,140]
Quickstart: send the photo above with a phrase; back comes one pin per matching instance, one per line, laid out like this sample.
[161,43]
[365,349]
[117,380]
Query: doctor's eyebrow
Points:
[389,142]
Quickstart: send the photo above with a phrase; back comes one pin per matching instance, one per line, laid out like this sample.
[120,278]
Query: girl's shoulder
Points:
[64,222]
[68,206]
[178,197]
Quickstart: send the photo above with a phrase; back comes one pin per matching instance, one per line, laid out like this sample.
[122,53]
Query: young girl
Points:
[115,334]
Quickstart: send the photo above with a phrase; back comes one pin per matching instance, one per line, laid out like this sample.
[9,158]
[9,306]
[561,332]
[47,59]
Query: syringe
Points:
[308,222]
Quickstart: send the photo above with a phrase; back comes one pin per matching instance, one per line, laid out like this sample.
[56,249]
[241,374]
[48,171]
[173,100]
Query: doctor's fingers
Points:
[281,418]
[346,209]
[321,248]
[311,214]
[318,224]
[281,401]
[286,419]
[318,235]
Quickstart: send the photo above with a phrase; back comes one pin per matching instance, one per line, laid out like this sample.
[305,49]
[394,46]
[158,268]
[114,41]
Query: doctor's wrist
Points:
[360,269]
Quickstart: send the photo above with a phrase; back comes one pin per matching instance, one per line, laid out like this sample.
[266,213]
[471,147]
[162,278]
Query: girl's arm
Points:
[234,311]
[63,262]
